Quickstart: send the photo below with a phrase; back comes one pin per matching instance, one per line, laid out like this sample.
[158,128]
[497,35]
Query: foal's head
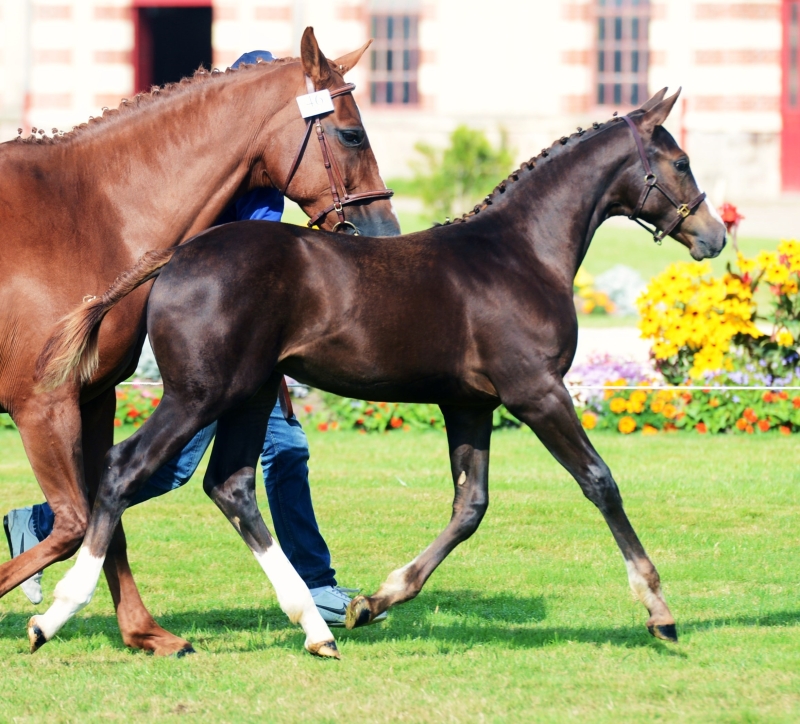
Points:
[695,225]
[353,162]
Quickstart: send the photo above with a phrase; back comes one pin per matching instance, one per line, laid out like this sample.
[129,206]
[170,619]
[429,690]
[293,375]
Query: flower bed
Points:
[135,404]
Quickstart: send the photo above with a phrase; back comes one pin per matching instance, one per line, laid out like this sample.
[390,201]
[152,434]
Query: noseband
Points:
[650,183]
[334,175]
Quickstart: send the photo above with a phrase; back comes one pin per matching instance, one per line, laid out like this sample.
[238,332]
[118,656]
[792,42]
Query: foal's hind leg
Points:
[551,415]
[230,483]
[468,434]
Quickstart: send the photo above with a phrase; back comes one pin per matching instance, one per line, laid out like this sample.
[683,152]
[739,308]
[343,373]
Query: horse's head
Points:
[660,187]
[333,174]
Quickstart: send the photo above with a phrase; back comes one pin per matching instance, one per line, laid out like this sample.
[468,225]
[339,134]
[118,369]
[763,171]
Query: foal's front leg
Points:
[468,434]
[550,413]
[230,483]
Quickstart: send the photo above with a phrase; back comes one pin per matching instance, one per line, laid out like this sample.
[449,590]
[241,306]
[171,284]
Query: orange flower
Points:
[669,427]
[785,430]
[764,425]
[626,425]
[368,411]
[649,430]
[741,424]
[132,412]
[783,395]
[796,402]
[406,427]
[155,402]
[701,428]
[433,421]
[670,411]
[749,429]
[750,415]
[335,425]
[767,397]
[308,408]
[714,402]
[363,431]
[360,421]
[322,427]
[396,422]
[117,423]
[589,420]
[687,396]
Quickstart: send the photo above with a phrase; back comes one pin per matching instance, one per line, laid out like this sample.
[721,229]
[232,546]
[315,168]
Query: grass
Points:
[530,619]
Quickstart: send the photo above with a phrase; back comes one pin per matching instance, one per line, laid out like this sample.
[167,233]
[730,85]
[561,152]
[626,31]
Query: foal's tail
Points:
[72,348]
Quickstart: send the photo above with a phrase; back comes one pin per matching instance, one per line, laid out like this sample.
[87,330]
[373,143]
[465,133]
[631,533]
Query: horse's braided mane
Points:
[145,98]
[555,149]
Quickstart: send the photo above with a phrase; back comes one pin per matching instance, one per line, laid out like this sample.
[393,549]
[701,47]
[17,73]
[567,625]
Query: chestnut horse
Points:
[77,209]
[481,314]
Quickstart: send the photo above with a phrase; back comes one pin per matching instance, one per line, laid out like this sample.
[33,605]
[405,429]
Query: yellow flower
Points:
[669,411]
[657,405]
[618,404]
[649,430]
[784,338]
[589,420]
[626,425]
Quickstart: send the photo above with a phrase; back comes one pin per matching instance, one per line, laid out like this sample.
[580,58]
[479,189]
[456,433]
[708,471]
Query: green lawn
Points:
[530,620]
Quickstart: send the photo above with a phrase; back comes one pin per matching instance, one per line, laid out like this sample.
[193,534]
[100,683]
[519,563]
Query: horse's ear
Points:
[315,64]
[647,105]
[349,61]
[656,115]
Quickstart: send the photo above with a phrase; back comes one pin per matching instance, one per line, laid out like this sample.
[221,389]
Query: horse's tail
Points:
[72,348]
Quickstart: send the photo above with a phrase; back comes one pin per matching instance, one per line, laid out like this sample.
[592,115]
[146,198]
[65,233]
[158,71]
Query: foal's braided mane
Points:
[555,149]
[145,98]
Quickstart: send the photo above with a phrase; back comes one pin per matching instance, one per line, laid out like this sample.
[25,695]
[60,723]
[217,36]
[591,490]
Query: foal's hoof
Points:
[358,613]
[35,636]
[185,651]
[665,632]
[324,649]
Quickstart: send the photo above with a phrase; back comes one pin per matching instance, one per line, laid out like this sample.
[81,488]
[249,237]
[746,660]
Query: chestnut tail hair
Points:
[72,350]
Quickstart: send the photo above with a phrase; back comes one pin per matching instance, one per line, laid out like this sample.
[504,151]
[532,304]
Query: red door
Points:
[790,97]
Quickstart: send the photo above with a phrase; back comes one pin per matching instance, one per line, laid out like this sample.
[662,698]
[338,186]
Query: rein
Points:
[331,167]
[650,183]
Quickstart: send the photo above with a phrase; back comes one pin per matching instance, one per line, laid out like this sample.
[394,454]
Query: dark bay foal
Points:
[467,315]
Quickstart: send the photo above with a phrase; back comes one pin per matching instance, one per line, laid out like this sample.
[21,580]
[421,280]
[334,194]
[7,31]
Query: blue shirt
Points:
[258,204]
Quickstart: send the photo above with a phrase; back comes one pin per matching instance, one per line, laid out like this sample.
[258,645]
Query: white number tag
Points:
[314,104]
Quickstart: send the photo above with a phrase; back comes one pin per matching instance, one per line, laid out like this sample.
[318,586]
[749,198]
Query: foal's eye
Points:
[351,137]
[681,165]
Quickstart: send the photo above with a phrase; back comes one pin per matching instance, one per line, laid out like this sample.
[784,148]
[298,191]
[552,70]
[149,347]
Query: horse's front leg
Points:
[468,433]
[230,482]
[548,410]
[128,466]
[138,628]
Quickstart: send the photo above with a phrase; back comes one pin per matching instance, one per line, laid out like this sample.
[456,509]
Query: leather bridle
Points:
[335,177]
[650,183]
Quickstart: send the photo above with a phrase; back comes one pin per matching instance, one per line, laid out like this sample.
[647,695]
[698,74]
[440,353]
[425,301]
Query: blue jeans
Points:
[284,461]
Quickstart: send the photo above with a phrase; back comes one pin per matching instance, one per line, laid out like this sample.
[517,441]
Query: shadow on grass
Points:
[456,620]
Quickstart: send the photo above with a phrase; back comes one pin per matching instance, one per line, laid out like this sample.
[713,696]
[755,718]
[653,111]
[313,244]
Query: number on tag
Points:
[315,104]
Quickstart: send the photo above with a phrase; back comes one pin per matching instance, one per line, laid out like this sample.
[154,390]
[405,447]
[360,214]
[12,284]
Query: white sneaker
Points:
[20,536]
[332,602]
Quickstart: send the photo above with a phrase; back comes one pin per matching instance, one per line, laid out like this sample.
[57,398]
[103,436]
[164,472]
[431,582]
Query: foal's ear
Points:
[349,61]
[657,114]
[647,105]
[315,64]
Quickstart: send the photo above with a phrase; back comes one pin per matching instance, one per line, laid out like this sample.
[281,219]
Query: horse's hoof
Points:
[665,632]
[35,636]
[325,650]
[185,651]
[358,613]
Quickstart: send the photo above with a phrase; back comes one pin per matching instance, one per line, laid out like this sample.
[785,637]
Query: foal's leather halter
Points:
[650,183]
[334,175]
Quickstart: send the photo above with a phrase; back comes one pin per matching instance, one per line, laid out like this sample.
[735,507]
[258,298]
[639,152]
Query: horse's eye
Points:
[352,137]
[681,165]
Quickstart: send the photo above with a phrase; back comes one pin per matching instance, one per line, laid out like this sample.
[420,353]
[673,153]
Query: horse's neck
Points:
[558,205]
[169,169]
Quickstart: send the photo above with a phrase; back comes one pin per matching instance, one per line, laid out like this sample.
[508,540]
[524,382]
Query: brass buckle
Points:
[650,179]
[337,207]
[684,211]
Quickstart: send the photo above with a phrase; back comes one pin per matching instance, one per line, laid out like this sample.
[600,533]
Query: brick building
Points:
[538,69]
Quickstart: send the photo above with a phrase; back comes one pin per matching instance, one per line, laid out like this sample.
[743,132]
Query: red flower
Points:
[796,402]
[784,430]
[750,415]
[783,395]
[308,409]
[396,422]
[701,428]
[767,397]
[763,425]
[687,396]
[360,421]
[133,412]
[155,401]
[117,423]
[369,410]
[322,427]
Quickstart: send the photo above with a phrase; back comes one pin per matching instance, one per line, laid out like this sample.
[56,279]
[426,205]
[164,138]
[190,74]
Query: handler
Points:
[284,461]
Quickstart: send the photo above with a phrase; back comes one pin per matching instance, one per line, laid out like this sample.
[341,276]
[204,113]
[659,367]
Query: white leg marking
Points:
[293,594]
[653,600]
[395,581]
[72,593]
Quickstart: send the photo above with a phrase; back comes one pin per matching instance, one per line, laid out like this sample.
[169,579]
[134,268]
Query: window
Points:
[622,55]
[394,59]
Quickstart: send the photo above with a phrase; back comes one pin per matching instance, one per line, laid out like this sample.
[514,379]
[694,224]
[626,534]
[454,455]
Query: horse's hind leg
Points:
[128,466]
[138,628]
[468,434]
[230,483]
[551,415]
